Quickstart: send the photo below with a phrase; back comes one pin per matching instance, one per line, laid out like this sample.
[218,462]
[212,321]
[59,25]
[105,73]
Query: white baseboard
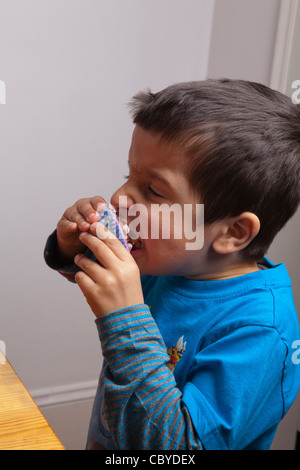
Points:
[65,394]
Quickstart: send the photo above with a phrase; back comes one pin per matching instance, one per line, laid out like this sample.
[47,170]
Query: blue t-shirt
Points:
[237,372]
[215,364]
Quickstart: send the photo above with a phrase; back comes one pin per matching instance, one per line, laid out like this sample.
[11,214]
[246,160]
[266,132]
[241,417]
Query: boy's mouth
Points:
[133,242]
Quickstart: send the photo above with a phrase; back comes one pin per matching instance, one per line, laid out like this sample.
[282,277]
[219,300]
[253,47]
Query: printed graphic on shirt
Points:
[175,353]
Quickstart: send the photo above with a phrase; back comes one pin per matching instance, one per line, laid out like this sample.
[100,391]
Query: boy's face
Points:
[156,177]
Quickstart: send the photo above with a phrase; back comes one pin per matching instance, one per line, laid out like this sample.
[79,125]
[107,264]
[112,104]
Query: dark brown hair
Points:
[242,142]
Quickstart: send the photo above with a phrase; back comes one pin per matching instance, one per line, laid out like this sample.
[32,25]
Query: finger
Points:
[84,282]
[82,213]
[89,208]
[66,226]
[73,216]
[110,240]
[89,267]
[101,250]
[98,203]
[87,211]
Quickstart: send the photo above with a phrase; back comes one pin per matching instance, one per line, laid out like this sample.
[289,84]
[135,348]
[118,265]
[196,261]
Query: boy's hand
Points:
[76,219]
[116,283]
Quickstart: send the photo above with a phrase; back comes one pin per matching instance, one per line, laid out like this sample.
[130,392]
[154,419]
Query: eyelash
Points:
[149,189]
[154,193]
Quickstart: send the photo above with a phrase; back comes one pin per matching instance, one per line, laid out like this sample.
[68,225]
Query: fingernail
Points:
[82,224]
[101,206]
[92,216]
[101,231]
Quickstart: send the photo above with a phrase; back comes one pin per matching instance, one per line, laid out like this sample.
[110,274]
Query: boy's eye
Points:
[154,192]
[149,189]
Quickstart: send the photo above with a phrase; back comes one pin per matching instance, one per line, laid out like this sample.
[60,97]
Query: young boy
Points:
[198,352]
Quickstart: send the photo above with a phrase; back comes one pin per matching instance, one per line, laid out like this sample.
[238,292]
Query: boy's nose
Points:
[121,200]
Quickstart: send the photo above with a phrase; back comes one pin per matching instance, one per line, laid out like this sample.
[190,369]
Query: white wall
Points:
[70,67]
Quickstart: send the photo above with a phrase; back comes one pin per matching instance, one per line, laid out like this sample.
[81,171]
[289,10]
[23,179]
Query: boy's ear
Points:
[236,233]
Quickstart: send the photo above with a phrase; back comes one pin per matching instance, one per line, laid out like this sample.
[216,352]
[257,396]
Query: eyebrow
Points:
[157,176]
[160,178]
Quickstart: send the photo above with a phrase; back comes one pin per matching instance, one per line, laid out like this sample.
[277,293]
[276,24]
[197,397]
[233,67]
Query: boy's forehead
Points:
[149,149]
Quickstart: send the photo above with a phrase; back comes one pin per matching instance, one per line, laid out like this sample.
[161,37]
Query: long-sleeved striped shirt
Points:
[142,404]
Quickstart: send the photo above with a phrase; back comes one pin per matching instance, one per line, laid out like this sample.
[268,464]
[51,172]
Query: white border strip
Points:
[64,394]
[284,44]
